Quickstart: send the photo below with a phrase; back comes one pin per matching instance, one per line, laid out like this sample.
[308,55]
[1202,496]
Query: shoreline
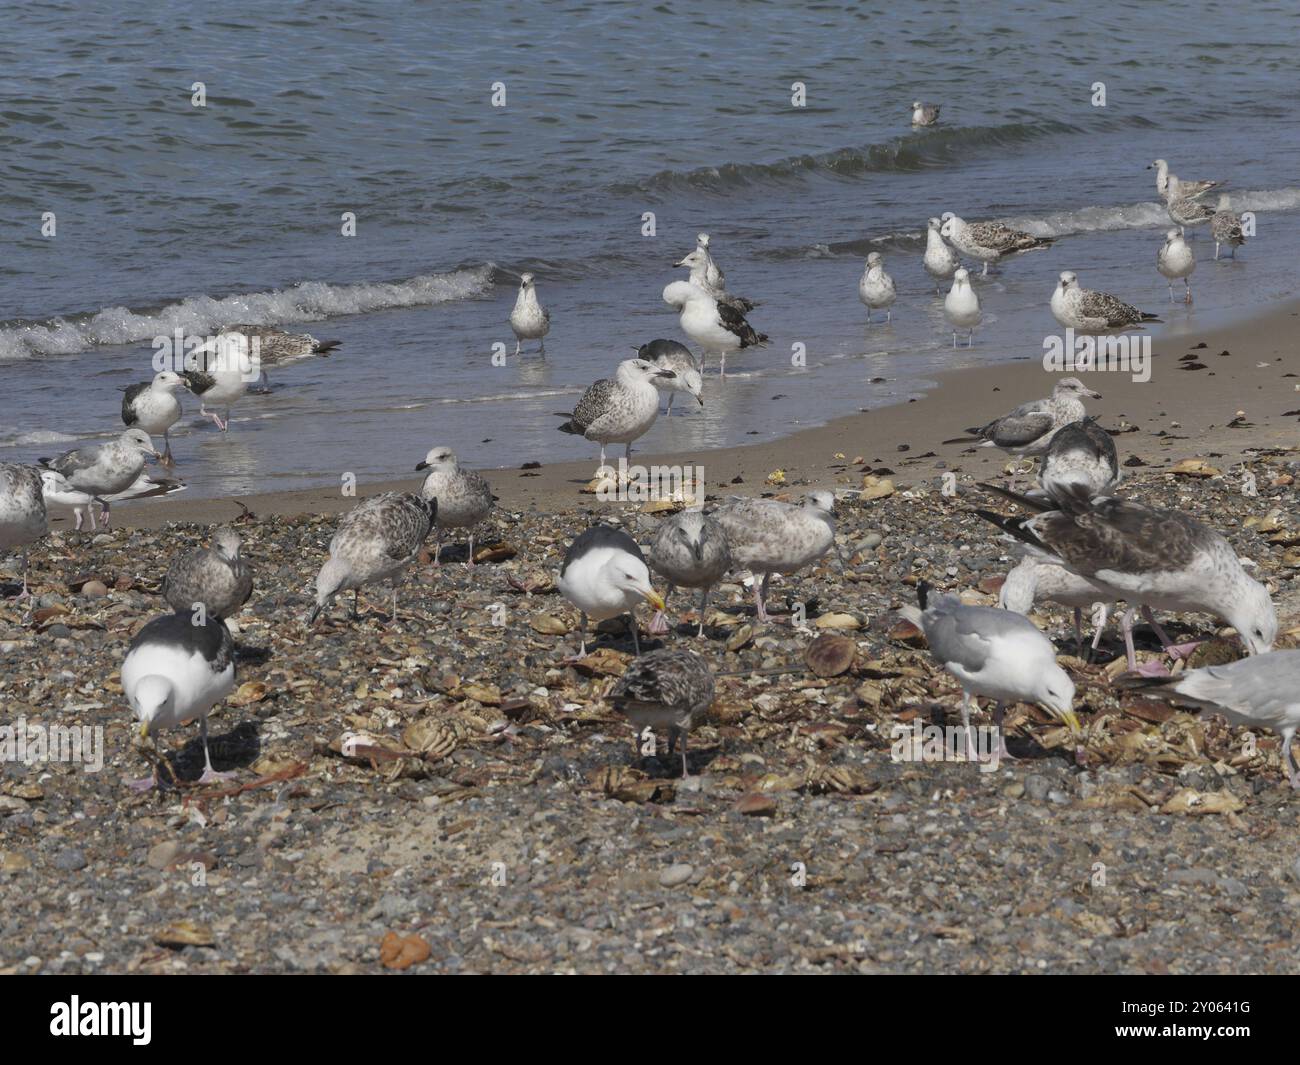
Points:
[1181,412]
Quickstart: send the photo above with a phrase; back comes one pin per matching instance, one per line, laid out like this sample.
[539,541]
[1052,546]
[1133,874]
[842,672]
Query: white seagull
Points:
[107,469]
[940,260]
[154,407]
[604,575]
[714,326]
[529,319]
[876,288]
[1175,262]
[924,114]
[962,307]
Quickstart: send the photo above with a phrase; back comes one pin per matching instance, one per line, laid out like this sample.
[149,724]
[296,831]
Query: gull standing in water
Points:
[1170,187]
[677,357]
[767,536]
[989,241]
[106,469]
[275,347]
[22,511]
[940,261]
[1087,311]
[876,288]
[690,550]
[620,410]
[219,373]
[1226,227]
[1175,261]
[153,407]
[699,263]
[1253,692]
[712,325]
[664,689]
[529,319]
[924,114]
[464,498]
[376,540]
[962,307]
[713,275]
[604,575]
[1187,212]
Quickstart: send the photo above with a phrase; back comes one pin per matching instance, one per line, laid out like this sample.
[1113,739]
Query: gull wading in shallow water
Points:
[989,241]
[876,289]
[1171,187]
[219,373]
[620,410]
[604,575]
[106,469]
[702,267]
[714,326]
[940,261]
[1087,311]
[1226,227]
[676,357]
[276,348]
[153,407]
[962,307]
[529,319]
[1187,213]
[1176,262]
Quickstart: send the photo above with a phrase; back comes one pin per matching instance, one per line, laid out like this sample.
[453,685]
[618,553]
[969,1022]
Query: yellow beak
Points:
[654,599]
[144,730]
[1070,719]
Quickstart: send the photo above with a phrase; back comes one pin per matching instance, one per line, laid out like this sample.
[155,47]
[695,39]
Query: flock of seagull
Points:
[1082,545]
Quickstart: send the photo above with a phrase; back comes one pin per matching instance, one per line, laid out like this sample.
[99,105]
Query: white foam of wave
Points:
[309,301]
[1146,215]
[37,437]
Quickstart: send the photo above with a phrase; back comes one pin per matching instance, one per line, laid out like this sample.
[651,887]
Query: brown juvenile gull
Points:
[22,511]
[604,575]
[529,319]
[464,497]
[176,670]
[924,114]
[1035,581]
[105,469]
[699,263]
[1225,227]
[1151,558]
[153,407]
[767,536]
[275,347]
[1254,692]
[1188,212]
[988,241]
[216,577]
[1171,187]
[690,550]
[675,356]
[1081,455]
[618,410]
[376,540]
[1088,311]
[664,689]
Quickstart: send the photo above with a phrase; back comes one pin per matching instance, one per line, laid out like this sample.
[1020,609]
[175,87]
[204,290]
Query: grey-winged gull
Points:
[1028,430]
[1151,558]
[961,306]
[1226,227]
[375,541]
[664,689]
[464,497]
[1034,581]
[675,356]
[768,536]
[989,241]
[1087,311]
[690,551]
[1176,262]
[714,326]
[217,577]
[105,469]
[529,319]
[22,511]
[618,410]
[154,407]
[997,654]
[940,261]
[1262,691]
[876,288]
[604,574]
[176,670]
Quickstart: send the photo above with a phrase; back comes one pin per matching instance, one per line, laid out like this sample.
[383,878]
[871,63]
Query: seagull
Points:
[275,347]
[1170,187]
[989,241]
[876,288]
[1034,581]
[1080,457]
[767,536]
[219,372]
[23,518]
[962,307]
[1263,691]
[375,541]
[216,578]
[1175,260]
[1028,430]
[690,550]
[1225,227]
[940,261]
[105,469]
[1152,558]
[713,275]
[1188,212]
[997,654]
[529,319]
[924,114]
[712,325]
[677,357]
[176,670]
[1087,311]
[699,261]
[620,410]
[153,407]
[464,498]
[664,689]
[604,575]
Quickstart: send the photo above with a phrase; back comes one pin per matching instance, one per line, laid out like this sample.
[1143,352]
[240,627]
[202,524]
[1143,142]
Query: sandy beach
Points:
[496,817]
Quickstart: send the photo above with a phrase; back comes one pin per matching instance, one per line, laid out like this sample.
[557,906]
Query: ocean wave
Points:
[307,301]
